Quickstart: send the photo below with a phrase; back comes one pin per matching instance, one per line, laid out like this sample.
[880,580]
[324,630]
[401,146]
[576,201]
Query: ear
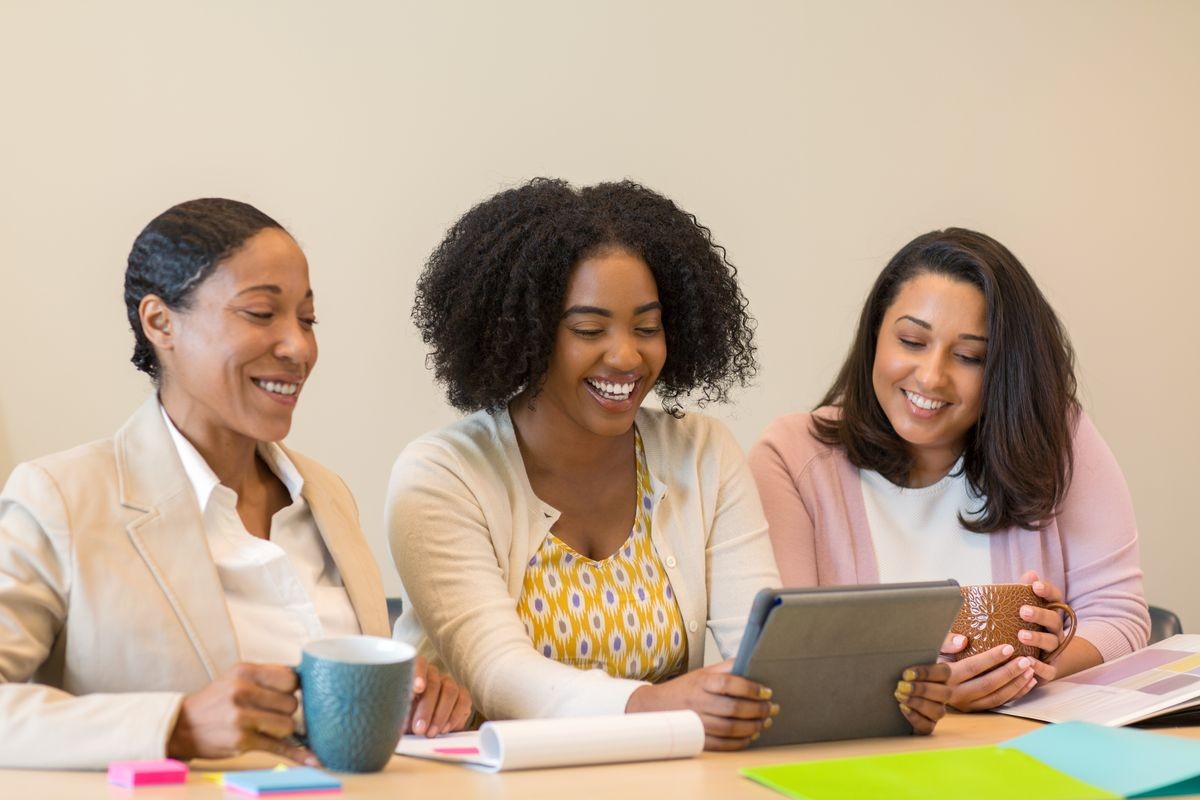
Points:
[156,319]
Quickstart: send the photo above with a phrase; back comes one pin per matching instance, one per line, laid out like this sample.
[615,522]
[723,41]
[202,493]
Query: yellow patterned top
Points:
[619,614]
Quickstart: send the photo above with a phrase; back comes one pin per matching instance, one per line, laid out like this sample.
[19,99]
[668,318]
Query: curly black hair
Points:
[174,254]
[490,297]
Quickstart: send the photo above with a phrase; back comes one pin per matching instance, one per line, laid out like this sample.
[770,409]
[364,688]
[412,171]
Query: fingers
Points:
[722,743]
[953,643]
[276,726]
[275,677]
[994,688]
[249,695]
[421,670]
[287,749]
[934,673]
[743,730]
[922,714]
[423,708]
[722,683]
[447,698]
[1038,639]
[980,663]
[1044,672]
[1047,591]
[461,714]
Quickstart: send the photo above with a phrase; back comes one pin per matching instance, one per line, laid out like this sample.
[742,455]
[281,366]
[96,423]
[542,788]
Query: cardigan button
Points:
[692,626]
[671,563]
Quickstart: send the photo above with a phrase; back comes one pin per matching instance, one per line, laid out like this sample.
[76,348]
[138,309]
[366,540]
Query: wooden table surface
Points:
[712,775]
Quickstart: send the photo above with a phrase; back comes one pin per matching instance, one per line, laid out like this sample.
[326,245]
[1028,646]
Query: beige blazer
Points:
[110,604]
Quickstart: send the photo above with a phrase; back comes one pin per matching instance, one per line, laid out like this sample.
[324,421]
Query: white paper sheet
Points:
[1159,679]
[540,743]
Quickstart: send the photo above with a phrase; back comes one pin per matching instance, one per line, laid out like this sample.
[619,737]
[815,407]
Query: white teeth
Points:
[286,389]
[612,391]
[924,402]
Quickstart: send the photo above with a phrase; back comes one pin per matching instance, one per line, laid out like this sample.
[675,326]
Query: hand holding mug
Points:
[250,707]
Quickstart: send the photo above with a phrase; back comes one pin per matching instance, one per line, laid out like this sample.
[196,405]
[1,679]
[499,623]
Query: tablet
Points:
[833,655]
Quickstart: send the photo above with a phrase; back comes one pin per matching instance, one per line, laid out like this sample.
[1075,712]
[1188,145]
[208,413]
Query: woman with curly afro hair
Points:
[563,548]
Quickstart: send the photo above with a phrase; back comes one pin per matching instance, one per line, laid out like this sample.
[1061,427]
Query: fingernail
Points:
[754,736]
[910,674]
[905,709]
[1024,636]
[764,693]
[900,696]
[774,709]
[904,687]
[768,722]
[419,726]
[959,640]
[1039,587]
[1008,650]
[1022,662]
[418,685]
[433,731]
[312,761]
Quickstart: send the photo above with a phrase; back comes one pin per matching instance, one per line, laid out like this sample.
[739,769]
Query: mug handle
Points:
[297,737]
[1070,612]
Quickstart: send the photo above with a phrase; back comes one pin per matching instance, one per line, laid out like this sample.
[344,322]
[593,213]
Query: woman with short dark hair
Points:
[156,587]
[952,445]
[564,549]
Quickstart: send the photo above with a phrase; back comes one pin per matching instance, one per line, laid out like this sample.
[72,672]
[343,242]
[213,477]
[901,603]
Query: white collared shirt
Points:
[282,591]
[916,533]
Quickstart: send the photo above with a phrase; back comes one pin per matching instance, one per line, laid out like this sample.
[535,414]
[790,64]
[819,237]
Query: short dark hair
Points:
[176,252]
[1018,455]
[490,298]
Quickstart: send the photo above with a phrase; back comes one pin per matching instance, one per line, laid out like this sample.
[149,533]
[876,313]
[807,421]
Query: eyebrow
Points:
[269,287]
[654,305]
[970,336]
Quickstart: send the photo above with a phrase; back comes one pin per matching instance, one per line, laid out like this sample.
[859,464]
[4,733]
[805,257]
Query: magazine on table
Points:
[1161,679]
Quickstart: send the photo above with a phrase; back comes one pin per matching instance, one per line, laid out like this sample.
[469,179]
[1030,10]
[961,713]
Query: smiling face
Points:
[610,345]
[236,359]
[928,371]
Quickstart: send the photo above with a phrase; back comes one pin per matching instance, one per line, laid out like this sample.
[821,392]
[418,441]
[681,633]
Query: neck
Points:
[551,442]
[930,465]
[230,455]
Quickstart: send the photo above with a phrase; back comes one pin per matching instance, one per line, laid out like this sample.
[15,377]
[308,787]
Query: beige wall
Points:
[814,138]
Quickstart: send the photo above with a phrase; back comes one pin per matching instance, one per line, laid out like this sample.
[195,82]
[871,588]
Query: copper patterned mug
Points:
[991,616]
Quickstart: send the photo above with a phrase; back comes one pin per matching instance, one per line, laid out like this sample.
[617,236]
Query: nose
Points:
[296,344]
[623,354]
[931,371]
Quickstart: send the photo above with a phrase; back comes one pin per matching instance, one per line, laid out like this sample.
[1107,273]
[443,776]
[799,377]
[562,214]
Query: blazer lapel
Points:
[345,541]
[170,537]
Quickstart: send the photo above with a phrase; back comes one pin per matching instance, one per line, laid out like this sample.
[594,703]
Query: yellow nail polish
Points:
[774,709]
[900,696]
[909,675]
[905,709]
[754,736]
[904,687]
[768,722]
[764,693]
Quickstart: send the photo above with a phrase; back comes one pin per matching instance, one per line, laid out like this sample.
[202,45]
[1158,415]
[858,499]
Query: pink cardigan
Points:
[813,500]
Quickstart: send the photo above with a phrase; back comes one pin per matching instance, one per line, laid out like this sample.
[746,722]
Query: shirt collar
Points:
[204,480]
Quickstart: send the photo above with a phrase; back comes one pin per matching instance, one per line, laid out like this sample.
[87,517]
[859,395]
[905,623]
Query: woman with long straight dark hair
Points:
[952,444]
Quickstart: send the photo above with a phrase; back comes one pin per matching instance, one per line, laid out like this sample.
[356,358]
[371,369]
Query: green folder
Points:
[981,773]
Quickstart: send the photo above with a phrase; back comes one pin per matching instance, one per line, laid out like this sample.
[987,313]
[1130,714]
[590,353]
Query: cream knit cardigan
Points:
[464,522]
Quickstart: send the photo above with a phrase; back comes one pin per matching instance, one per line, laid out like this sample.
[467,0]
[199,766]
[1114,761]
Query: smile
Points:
[612,391]
[920,401]
[277,387]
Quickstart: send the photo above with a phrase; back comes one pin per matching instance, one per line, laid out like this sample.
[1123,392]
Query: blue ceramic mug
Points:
[356,692]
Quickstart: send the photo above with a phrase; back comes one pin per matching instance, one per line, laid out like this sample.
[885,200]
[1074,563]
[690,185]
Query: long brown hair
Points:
[1018,456]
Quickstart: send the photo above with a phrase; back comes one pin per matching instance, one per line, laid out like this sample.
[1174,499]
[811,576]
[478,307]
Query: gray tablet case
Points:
[832,655]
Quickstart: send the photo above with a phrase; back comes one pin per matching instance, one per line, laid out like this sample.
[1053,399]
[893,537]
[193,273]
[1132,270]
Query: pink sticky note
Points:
[147,773]
[457,751]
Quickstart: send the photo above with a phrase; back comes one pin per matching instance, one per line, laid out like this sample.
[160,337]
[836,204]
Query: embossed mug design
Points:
[991,616]
[356,692]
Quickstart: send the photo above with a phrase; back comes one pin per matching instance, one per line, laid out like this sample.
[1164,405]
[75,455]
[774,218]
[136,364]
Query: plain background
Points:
[814,138]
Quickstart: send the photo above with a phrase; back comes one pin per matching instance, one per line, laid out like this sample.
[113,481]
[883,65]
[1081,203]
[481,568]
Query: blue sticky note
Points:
[272,781]
[1127,762]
